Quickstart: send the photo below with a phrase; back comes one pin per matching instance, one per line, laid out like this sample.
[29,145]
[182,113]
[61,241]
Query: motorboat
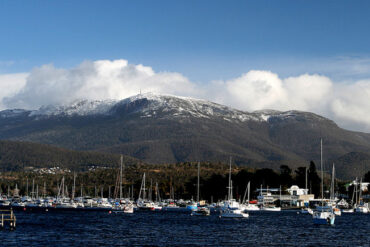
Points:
[201,211]
[323,218]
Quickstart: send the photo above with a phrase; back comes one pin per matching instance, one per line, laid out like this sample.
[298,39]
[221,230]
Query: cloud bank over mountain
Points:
[346,103]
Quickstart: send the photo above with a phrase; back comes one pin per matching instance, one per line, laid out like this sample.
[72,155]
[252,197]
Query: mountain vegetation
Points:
[21,156]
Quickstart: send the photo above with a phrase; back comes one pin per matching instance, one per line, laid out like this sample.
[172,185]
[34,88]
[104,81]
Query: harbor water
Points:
[286,228]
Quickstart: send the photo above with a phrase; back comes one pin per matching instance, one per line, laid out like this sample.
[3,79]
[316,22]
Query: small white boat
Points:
[251,207]
[233,213]
[348,210]
[271,208]
[128,209]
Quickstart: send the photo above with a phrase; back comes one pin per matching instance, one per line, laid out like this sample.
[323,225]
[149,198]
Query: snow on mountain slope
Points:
[80,108]
[176,106]
[161,106]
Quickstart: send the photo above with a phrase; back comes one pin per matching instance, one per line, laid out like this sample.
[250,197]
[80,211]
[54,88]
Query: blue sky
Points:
[203,40]
[303,55]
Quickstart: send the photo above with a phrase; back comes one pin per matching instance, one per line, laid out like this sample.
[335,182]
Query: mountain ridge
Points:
[169,129]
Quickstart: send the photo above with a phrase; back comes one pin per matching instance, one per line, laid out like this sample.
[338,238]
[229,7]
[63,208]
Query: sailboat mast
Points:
[360,192]
[355,189]
[44,189]
[332,196]
[306,181]
[33,189]
[156,192]
[249,191]
[63,187]
[230,189]
[144,194]
[142,188]
[74,186]
[198,183]
[322,175]
[120,179]
[150,192]
[280,193]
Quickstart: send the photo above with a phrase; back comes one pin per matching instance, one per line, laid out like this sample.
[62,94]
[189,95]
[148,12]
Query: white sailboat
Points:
[200,211]
[306,209]
[333,200]
[324,215]
[142,203]
[231,208]
[360,207]
[127,207]
[247,205]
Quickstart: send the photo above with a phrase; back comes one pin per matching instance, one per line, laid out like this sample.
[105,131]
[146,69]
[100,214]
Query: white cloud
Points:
[10,84]
[346,103]
[257,90]
[95,80]
[351,106]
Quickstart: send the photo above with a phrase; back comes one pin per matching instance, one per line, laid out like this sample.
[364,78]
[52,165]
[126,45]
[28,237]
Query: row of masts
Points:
[143,195]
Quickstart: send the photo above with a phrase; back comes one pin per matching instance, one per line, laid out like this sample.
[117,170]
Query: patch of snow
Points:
[81,108]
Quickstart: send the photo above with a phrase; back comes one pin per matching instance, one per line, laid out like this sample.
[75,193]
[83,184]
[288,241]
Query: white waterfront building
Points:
[294,190]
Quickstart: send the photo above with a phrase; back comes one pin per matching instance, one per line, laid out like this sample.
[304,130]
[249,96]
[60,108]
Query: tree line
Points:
[180,178]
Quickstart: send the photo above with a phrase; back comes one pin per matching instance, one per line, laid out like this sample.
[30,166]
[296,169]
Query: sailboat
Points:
[247,205]
[200,211]
[127,207]
[306,209]
[62,200]
[336,210]
[231,208]
[360,207]
[142,203]
[324,215]
[157,203]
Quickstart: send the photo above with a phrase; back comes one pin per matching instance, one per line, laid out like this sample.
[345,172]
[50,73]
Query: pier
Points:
[8,217]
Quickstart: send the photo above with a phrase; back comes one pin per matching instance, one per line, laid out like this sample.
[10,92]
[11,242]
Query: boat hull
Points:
[323,221]
[323,218]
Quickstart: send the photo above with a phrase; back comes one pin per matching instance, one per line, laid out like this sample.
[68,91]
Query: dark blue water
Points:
[181,229]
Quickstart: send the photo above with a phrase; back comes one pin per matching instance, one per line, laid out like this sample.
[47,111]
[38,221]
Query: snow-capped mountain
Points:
[156,106]
[165,128]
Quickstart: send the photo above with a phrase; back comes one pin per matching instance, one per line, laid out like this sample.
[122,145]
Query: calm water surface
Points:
[180,229]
